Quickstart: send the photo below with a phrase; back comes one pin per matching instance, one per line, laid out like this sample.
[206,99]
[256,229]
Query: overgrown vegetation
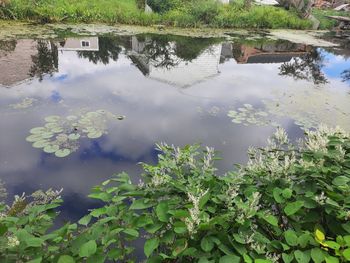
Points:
[288,204]
[194,13]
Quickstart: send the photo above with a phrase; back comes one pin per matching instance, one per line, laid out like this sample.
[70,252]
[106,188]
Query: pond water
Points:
[75,110]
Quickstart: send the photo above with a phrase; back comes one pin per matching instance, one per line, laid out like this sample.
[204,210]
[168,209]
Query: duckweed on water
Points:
[248,115]
[60,135]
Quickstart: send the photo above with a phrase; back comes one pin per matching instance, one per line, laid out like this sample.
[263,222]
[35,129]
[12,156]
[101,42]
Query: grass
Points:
[195,13]
[326,23]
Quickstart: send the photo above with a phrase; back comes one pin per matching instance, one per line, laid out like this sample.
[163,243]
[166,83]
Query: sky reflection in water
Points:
[173,89]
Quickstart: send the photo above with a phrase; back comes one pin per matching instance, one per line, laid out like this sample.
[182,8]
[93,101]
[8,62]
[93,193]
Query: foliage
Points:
[180,13]
[306,67]
[288,204]
[162,6]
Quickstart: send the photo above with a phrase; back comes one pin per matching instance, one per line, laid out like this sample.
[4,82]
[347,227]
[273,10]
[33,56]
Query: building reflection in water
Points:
[178,61]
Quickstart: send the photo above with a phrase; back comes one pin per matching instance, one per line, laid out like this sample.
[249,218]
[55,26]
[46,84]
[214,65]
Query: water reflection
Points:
[176,60]
[144,78]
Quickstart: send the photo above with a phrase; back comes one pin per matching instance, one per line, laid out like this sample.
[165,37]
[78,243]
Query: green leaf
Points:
[302,256]
[36,260]
[162,211]
[260,260]
[293,207]
[207,244]
[88,249]
[140,204]
[332,244]
[85,220]
[330,259]
[287,193]
[34,242]
[277,195]
[346,254]
[340,180]
[204,199]
[287,258]
[291,238]
[229,259]
[3,229]
[66,259]
[317,255]
[271,219]
[150,246]
[303,240]
[131,232]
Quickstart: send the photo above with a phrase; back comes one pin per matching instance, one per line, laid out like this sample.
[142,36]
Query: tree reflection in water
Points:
[345,75]
[306,67]
[109,49]
[45,61]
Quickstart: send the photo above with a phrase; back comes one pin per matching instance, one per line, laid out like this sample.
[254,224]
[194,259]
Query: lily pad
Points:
[37,130]
[74,136]
[53,118]
[94,135]
[40,144]
[62,153]
[51,148]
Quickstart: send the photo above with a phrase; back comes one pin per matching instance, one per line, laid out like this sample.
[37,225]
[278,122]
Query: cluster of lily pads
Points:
[60,135]
[25,103]
[248,115]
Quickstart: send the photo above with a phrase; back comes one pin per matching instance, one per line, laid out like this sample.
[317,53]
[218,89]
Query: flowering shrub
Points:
[288,204]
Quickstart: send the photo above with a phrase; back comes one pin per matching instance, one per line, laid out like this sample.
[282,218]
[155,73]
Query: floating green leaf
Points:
[62,153]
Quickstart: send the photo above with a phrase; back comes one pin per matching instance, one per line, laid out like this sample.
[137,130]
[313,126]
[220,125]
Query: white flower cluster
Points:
[12,241]
[248,209]
[317,140]
[41,198]
[194,220]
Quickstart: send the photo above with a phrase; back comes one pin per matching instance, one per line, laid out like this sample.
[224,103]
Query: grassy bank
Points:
[195,13]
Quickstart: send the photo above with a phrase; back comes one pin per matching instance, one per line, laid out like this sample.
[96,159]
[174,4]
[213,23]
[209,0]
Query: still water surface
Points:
[123,94]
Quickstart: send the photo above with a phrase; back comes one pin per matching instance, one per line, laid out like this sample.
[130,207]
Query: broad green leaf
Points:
[346,254]
[317,255]
[330,259]
[271,219]
[287,193]
[331,244]
[131,232]
[162,211]
[66,259]
[293,207]
[150,246]
[340,180]
[229,259]
[287,258]
[34,242]
[302,256]
[291,238]
[207,244]
[140,204]
[260,260]
[36,260]
[88,249]
[204,199]
[277,192]
[85,220]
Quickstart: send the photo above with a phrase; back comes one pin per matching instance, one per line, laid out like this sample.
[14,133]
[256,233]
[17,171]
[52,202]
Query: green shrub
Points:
[288,204]
[204,11]
[162,6]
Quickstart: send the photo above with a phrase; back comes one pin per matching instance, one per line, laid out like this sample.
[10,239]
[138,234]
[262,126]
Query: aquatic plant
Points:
[23,104]
[290,203]
[248,115]
[60,135]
